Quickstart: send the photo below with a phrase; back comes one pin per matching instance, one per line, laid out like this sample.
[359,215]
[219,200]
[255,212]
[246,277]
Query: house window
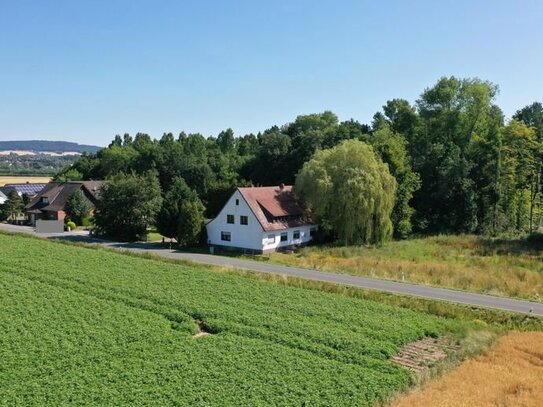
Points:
[225,236]
[229,218]
[284,236]
[271,239]
[312,232]
[237,202]
[296,234]
[44,200]
[244,220]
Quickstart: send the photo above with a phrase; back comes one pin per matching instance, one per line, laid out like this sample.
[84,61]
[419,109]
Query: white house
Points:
[263,220]
[3,198]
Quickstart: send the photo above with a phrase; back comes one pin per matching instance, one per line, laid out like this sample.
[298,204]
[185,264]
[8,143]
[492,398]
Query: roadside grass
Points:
[496,320]
[88,325]
[512,268]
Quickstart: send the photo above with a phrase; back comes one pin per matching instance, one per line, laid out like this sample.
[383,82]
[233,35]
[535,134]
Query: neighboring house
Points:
[261,220]
[50,203]
[3,198]
[28,189]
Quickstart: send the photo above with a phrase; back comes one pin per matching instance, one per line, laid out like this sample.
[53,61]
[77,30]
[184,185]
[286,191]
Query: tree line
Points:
[458,165]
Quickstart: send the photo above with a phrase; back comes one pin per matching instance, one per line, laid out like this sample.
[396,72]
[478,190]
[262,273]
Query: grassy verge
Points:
[497,319]
[512,268]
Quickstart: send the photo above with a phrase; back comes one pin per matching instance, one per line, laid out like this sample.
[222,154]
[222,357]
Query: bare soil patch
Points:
[421,355]
[202,330]
[510,374]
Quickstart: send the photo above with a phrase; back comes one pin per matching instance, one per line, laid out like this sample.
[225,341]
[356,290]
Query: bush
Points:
[71,225]
[535,237]
[86,222]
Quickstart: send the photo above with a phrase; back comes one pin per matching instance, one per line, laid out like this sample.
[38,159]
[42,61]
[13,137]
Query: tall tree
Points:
[392,148]
[128,205]
[519,175]
[179,205]
[14,205]
[78,207]
[350,191]
[452,114]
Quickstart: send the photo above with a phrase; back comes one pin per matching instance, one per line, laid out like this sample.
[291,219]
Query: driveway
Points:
[442,294]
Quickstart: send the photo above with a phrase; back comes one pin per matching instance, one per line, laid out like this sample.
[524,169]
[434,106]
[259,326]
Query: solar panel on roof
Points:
[28,189]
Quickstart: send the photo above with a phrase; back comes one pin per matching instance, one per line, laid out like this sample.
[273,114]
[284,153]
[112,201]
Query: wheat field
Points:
[22,179]
[510,374]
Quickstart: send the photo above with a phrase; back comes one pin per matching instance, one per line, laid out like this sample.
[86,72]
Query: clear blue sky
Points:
[86,70]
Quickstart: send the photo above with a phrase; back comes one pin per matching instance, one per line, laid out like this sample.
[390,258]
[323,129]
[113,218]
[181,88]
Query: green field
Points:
[83,326]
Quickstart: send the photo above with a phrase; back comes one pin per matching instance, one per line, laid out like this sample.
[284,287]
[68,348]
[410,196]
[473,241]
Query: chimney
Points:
[281,186]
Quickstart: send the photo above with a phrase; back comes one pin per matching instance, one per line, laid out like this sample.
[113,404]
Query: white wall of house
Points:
[251,236]
[244,236]
[294,236]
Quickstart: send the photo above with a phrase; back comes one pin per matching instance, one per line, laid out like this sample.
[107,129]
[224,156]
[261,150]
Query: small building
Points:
[262,220]
[50,203]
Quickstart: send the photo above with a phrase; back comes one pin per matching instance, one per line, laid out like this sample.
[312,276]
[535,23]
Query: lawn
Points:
[507,268]
[87,326]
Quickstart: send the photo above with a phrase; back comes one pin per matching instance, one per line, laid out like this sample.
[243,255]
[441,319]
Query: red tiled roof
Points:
[275,208]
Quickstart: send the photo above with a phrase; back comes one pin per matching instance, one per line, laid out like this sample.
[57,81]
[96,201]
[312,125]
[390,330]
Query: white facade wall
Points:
[242,236]
[270,243]
[250,236]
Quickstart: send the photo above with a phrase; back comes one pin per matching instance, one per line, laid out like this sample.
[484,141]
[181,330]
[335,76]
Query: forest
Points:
[460,165]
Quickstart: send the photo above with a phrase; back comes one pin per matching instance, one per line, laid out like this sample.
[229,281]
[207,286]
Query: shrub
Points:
[535,237]
[71,225]
[86,222]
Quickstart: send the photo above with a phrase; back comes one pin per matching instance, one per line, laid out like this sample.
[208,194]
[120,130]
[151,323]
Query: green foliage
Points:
[350,191]
[181,216]
[14,206]
[71,225]
[535,238]
[532,116]
[392,148]
[128,205]
[103,316]
[78,207]
[191,222]
[448,152]
[68,174]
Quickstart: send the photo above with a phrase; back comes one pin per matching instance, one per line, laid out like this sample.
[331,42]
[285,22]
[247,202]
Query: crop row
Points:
[84,326]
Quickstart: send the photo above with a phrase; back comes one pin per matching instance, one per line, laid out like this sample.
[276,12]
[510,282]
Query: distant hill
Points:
[47,146]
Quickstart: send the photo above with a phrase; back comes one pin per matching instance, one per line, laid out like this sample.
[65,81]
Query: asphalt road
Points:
[442,294]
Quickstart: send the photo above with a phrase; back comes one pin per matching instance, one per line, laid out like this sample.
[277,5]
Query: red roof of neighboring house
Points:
[276,208]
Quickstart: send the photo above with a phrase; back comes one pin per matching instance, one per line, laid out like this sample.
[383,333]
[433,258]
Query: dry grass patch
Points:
[23,179]
[506,268]
[510,374]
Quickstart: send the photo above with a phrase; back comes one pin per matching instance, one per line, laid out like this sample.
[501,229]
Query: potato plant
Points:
[81,326]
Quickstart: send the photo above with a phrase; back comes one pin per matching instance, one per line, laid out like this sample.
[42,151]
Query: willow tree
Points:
[350,191]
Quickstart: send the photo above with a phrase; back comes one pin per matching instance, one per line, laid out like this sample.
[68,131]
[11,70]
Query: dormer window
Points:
[44,200]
